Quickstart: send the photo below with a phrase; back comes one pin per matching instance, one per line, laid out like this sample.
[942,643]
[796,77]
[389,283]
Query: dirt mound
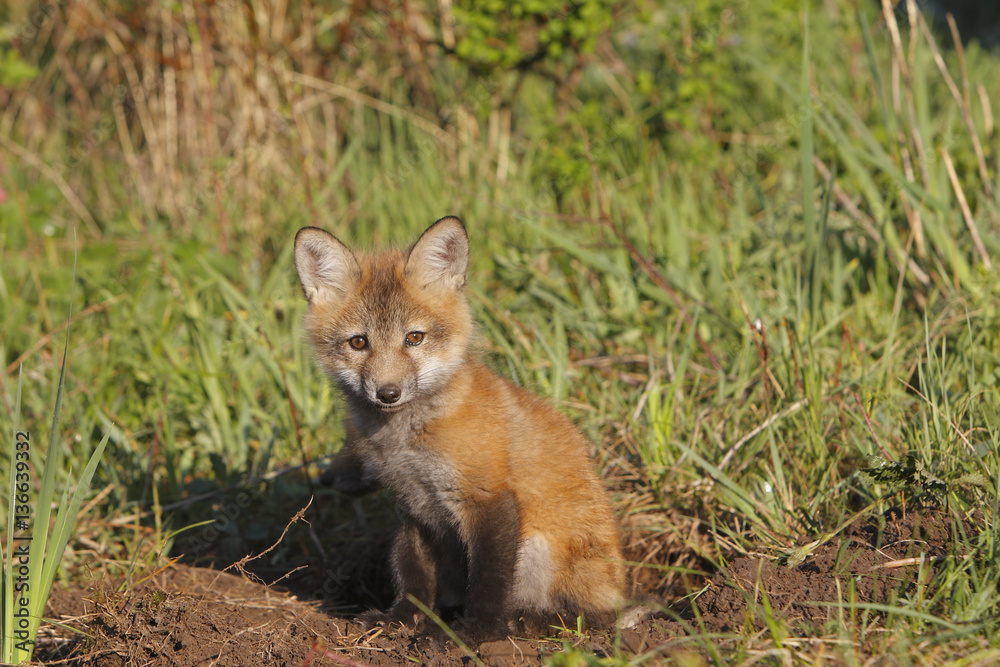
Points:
[193,616]
[877,561]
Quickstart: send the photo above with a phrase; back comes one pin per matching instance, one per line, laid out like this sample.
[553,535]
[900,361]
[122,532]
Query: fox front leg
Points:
[348,474]
[414,572]
[493,534]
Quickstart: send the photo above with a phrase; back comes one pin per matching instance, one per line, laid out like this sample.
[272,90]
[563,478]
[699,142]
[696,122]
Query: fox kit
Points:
[501,511]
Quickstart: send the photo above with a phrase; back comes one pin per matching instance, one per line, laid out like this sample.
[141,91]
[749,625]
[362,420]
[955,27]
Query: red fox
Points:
[501,512]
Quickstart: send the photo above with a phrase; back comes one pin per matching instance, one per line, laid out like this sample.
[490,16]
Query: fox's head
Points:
[391,326]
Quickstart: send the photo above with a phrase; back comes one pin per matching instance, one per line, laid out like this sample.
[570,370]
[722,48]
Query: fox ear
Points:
[326,267]
[441,253]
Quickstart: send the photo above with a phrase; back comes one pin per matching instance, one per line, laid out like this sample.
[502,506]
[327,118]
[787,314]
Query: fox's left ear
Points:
[327,269]
[440,254]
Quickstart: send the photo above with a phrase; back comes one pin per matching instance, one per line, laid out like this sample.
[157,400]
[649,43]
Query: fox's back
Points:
[497,436]
[539,452]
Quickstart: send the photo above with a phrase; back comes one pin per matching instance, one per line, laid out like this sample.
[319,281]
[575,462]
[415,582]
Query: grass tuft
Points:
[30,570]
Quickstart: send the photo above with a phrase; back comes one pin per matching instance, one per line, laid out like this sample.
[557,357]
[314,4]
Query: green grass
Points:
[629,291]
[29,571]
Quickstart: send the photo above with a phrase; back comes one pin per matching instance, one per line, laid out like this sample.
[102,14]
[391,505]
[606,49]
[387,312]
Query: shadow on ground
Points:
[294,605]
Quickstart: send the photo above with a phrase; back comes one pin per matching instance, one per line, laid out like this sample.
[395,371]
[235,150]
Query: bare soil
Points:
[188,615]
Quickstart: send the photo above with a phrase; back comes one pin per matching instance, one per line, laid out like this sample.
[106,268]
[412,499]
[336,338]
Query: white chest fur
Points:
[424,482]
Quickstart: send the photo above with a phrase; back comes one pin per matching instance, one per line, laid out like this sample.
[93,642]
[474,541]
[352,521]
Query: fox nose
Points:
[388,394]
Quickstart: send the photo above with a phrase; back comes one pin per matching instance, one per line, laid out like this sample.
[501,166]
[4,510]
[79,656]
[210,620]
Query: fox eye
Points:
[358,342]
[414,338]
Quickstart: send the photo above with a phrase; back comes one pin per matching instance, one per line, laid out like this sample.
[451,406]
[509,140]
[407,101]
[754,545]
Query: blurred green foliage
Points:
[520,34]
[14,72]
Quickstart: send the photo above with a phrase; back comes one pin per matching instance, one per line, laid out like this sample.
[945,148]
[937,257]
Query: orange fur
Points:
[474,460]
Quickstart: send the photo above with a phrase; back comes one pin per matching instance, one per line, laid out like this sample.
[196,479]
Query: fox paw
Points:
[379,619]
[349,481]
[474,631]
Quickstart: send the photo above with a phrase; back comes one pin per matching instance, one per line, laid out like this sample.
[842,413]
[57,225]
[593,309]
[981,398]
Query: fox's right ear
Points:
[441,254]
[327,269]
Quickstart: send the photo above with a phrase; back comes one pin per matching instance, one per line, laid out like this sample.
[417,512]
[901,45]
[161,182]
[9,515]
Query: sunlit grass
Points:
[29,571]
[738,341]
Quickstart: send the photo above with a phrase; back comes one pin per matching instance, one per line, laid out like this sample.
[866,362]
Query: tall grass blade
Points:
[65,523]
[44,555]
[40,529]
[813,237]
